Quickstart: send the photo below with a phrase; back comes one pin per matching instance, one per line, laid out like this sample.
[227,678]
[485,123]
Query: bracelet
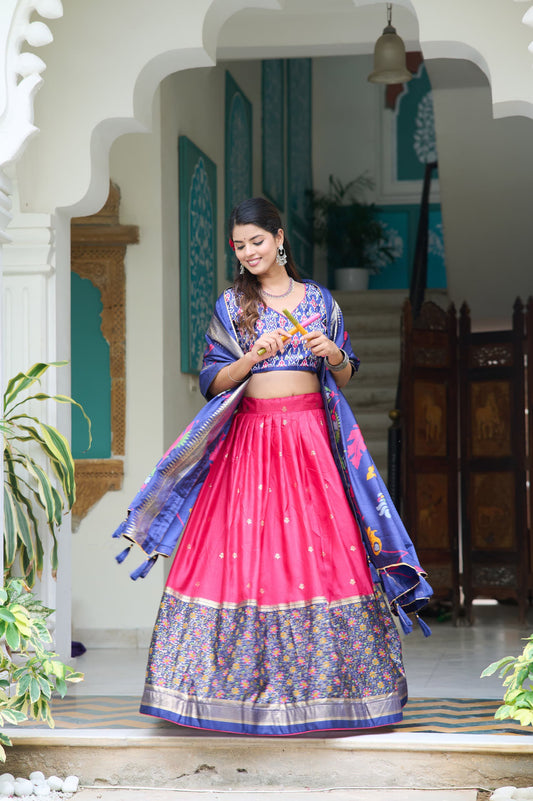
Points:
[235,380]
[336,368]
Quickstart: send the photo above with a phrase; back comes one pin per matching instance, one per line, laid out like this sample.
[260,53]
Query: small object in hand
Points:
[295,329]
[292,319]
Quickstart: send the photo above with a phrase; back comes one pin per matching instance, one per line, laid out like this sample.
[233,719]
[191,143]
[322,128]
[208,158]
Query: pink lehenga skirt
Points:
[270,623]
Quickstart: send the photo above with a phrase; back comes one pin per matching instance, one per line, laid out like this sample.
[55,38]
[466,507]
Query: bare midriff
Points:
[282,384]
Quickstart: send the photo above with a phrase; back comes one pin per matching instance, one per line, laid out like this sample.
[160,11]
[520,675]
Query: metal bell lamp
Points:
[389,56]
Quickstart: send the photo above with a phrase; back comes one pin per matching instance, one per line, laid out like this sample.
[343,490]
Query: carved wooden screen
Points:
[493,482]
[429,444]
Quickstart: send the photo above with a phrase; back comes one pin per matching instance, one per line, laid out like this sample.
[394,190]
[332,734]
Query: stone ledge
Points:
[183,760]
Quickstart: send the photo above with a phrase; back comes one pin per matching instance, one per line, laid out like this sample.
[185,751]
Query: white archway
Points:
[103,72]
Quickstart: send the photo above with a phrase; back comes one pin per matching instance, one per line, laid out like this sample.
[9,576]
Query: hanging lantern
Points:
[389,56]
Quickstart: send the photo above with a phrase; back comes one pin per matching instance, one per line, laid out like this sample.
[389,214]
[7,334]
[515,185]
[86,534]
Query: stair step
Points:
[368,394]
[385,323]
[392,299]
[371,349]
[100,793]
[187,760]
[385,370]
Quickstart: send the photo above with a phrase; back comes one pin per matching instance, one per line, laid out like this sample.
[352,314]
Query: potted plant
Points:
[38,484]
[349,228]
[38,474]
[517,673]
[29,671]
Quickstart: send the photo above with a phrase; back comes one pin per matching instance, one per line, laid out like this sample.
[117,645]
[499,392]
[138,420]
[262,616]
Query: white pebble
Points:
[7,787]
[71,784]
[23,787]
[37,777]
[41,789]
[8,776]
[55,783]
[503,793]
[523,793]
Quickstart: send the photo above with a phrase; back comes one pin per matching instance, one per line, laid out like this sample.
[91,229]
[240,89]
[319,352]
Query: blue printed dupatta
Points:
[158,514]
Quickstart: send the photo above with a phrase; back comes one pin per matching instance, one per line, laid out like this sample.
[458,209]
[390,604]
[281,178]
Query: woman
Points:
[273,621]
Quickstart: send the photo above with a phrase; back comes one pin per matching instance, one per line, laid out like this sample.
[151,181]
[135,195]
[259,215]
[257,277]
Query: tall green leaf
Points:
[23,381]
[58,444]
[38,472]
[44,489]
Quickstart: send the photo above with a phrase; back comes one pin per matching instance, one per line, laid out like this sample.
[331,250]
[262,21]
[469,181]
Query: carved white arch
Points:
[22,75]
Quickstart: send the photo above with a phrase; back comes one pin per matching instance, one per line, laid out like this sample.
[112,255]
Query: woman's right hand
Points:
[269,343]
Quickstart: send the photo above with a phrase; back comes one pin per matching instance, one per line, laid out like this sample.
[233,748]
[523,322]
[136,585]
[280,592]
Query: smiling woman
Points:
[272,621]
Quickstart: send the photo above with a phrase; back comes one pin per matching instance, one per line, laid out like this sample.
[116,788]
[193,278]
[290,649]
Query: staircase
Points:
[373,320]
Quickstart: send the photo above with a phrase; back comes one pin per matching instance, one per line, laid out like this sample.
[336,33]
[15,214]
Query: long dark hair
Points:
[260,212]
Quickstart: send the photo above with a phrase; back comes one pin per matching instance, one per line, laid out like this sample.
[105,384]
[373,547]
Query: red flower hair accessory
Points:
[232,246]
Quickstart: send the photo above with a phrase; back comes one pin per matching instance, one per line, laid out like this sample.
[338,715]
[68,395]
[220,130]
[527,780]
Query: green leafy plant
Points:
[517,673]
[29,672]
[348,226]
[38,474]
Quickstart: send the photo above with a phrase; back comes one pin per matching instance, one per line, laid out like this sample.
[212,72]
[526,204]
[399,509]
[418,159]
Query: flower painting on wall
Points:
[198,268]
[408,144]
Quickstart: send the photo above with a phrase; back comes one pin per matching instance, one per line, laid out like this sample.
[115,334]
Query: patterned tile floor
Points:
[436,715]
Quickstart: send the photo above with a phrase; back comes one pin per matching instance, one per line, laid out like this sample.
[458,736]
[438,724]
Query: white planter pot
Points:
[352,278]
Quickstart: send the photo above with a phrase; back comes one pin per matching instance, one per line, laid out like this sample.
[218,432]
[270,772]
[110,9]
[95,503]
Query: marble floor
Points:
[446,665]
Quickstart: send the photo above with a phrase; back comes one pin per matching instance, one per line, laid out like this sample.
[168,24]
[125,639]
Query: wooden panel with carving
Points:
[430,417]
[490,408]
[98,249]
[429,444]
[493,450]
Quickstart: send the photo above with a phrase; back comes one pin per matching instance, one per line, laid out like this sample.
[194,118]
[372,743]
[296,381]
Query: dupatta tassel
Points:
[407,626]
[122,555]
[424,626]
[145,568]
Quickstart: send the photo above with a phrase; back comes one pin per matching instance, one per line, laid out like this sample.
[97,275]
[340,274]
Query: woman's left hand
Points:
[320,345]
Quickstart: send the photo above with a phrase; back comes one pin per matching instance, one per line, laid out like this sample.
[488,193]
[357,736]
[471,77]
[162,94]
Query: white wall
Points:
[160,399]
[485,172]
[345,127]
[486,180]
[108,608]
[345,119]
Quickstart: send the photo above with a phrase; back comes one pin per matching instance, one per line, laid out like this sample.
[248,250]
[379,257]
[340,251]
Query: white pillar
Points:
[31,319]
[27,271]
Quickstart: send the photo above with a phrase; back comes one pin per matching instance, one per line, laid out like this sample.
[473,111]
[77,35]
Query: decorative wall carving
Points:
[492,512]
[21,77]
[493,462]
[98,250]
[198,250]
[431,318]
[497,576]
[430,357]
[94,477]
[429,444]
[430,414]
[491,356]
[490,405]
[432,511]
